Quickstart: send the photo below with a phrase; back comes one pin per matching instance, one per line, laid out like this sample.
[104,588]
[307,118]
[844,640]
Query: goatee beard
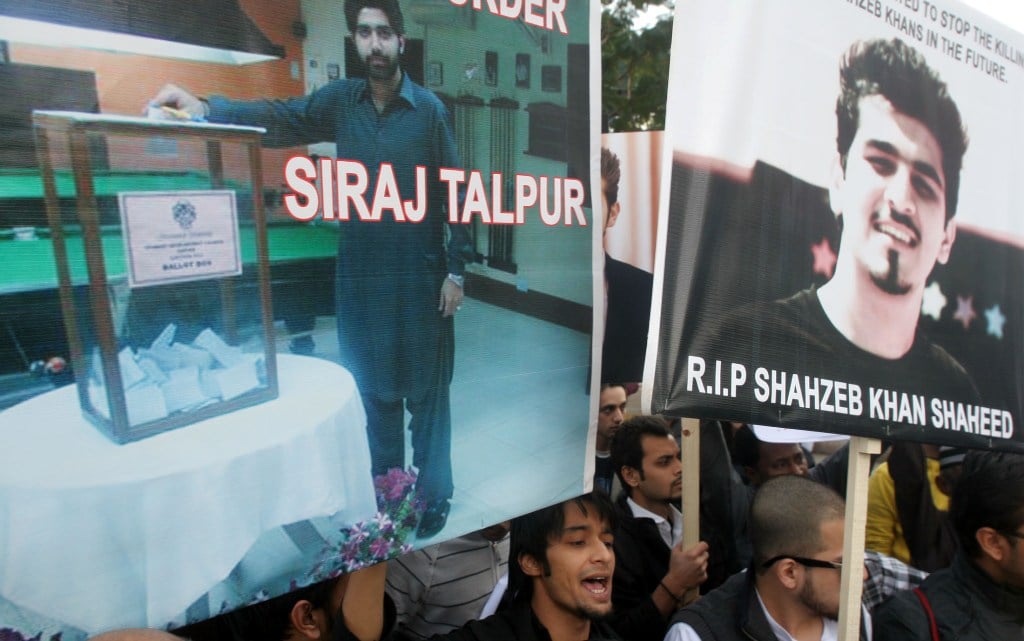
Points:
[889,282]
[593,614]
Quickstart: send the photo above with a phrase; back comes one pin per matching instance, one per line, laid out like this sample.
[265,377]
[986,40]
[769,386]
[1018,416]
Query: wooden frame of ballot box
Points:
[71,131]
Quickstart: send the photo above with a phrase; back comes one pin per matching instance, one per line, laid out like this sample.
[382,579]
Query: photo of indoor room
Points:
[518,98]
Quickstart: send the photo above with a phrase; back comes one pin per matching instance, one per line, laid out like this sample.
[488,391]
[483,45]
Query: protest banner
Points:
[431,270]
[849,277]
[630,174]
[829,256]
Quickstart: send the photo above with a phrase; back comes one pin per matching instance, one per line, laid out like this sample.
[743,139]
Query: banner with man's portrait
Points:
[630,186]
[227,376]
[841,249]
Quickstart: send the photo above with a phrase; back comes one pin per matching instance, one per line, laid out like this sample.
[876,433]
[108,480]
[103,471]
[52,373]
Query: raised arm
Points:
[363,606]
[289,122]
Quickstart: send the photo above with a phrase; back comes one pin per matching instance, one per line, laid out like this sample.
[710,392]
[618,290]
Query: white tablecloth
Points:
[100,535]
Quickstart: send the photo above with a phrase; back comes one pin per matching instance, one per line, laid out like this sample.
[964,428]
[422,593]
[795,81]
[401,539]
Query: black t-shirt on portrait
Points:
[803,372]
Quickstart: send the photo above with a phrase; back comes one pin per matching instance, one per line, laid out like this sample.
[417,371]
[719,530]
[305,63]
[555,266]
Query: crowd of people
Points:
[597,568]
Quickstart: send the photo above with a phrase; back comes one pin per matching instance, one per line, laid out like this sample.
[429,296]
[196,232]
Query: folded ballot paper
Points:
[169,377]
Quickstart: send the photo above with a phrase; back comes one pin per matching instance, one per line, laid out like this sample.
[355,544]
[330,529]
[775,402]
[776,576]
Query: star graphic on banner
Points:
[824,258]
[995,319]
[965,311]
[933,301]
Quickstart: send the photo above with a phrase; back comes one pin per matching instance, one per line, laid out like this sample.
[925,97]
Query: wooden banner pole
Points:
[852,579]
[690,446]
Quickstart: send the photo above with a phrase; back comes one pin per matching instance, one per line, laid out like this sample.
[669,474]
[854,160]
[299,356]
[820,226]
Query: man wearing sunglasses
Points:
[981,595]
[791,591]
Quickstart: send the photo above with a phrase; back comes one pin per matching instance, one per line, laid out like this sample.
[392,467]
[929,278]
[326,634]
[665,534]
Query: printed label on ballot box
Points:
[179,236]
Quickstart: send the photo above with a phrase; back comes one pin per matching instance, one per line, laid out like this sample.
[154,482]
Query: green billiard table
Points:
[31,327]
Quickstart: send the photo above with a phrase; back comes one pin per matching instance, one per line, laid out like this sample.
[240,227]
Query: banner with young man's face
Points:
[630,187]
[840,249]
[402,361]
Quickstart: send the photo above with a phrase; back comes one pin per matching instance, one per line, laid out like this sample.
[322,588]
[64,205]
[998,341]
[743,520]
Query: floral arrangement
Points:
[385,534]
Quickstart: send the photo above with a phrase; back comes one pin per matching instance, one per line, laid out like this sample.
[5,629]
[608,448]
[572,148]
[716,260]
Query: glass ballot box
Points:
[160,243]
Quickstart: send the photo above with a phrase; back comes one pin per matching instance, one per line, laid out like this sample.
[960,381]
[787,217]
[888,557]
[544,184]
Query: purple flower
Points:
[350,552]
[380,548]
[395,493]
[356,533]
[384,534]
[354,565]
[399,480]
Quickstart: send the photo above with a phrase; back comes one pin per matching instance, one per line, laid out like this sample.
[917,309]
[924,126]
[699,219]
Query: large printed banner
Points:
[426,173]
[631,176]
[842,249]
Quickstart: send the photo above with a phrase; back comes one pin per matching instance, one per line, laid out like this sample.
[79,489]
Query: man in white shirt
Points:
[792,591]
[653,571]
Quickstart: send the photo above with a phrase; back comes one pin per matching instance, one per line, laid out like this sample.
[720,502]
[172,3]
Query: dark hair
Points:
[605,386]
[627,444]
[610,173]
[532,534]
[900,74]
[270,620]
[746,447]
[990,493]
[390,8]
[786,517]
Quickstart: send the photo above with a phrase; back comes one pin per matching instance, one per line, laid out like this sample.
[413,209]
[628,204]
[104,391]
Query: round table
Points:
[100,535]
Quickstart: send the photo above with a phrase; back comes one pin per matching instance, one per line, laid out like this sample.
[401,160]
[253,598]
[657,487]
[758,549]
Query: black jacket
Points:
[731,613]
[629,312]
[727,613]
[967,604]
[641,561]
[517,623]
